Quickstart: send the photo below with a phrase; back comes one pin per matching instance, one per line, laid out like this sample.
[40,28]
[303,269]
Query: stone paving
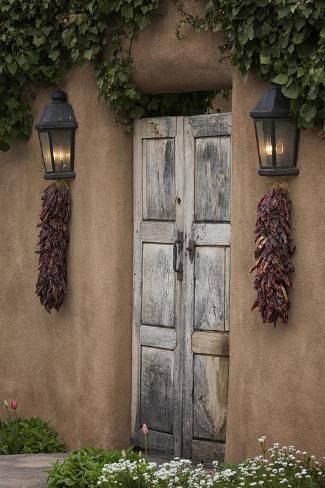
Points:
[26,470]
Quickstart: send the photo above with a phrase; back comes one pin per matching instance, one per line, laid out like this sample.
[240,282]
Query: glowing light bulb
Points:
[268,149]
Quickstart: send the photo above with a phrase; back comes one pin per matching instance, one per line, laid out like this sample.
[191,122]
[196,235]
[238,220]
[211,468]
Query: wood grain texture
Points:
[206,452]
[210,125]
[209,298]
[157,389]
[159,179]
[212,179]
[162,232]
[157,337]
[211,343]
[210,397]
[211,234]
[158,285]
[157,441]
[154,128]
[182,168]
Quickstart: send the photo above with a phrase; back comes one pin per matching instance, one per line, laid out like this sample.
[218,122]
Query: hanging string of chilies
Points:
[53,246]
[274,249]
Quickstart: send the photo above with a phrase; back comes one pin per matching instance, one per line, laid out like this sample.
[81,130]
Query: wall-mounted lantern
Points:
[277,134]
[56,130]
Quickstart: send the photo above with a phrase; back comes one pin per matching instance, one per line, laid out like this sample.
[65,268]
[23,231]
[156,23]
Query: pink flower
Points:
[145,429]
[13,404]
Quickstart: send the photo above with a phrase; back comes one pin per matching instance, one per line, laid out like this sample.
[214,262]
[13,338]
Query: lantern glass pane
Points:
[46,150]
[264,141]
[285,138]
[61,146]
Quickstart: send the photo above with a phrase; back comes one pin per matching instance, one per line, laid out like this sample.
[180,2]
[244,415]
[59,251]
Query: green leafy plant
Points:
[82,468]
[281,40]
[41,40]
[28,436]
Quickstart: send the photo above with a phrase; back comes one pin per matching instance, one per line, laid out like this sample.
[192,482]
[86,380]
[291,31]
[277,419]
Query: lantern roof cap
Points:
[58,114]
[272,105]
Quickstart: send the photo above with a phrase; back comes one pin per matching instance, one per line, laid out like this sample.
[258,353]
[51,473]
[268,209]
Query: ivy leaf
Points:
[307,112]
[281,79]
[12,68]
[265,59]
[88,54]
[291,91]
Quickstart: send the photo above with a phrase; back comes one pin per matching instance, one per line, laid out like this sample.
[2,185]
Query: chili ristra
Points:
[53,246]
[274,249]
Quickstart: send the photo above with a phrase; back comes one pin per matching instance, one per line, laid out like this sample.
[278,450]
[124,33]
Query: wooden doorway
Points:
[182,184]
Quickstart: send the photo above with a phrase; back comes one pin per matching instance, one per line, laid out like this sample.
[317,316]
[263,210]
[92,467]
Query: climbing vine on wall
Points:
[40,40]
[282,40]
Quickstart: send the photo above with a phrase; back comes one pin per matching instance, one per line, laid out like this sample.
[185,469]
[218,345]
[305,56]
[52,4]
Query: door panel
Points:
[210,397]
[159,179]
[212,179]
[157,388]
[206,283]
[209,292]
[182,178]
[156,372]
[158,285]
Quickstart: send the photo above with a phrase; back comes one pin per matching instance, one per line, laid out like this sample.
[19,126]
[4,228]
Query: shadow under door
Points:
[182,178]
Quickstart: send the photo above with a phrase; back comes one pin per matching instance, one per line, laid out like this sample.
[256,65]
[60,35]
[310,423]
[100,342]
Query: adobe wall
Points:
[74,367]
[277,376]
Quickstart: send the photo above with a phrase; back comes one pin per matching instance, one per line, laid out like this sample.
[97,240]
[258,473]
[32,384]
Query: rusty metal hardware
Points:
[191,249]
[177,253]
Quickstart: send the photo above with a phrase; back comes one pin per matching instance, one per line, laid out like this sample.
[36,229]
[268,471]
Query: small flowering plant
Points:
[274,468]
[26,436]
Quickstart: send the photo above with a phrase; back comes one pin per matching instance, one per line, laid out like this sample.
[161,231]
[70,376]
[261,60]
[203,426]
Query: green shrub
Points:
[28,436]
[82,468]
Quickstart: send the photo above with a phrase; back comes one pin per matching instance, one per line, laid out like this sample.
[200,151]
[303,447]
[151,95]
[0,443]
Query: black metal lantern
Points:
[277,134]
[56,130]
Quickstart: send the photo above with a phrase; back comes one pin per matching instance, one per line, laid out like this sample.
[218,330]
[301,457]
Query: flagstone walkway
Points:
[26,470]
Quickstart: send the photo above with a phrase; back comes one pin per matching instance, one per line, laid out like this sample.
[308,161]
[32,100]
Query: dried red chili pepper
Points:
[273,252]
[53,246]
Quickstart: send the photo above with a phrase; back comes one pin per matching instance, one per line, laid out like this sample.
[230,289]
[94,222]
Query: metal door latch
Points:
[177,253]
[191,249]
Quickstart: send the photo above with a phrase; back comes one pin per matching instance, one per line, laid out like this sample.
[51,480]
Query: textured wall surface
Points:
[73,366]
[277,376]
[165,64]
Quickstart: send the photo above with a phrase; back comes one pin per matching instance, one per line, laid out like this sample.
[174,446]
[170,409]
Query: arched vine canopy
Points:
[40,40]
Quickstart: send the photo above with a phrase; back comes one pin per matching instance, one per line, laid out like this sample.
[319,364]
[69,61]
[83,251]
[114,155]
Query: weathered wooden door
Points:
[182,177]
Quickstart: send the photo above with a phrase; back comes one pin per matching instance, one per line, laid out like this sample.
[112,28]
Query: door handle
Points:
[191,249]
[177,253]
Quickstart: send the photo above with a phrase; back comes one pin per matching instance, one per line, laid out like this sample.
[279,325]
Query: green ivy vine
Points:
[40,40]
[281,40]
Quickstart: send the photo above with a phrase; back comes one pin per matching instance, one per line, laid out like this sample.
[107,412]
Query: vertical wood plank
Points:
[209,298]
[210,397]
[212,179]
[157,389]
[158,285]
[137,279]
[159,179]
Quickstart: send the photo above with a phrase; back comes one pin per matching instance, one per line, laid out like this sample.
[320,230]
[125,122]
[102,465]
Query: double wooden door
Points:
[182,178]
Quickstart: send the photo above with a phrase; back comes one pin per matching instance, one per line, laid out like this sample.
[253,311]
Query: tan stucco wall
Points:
[73,366]
[277,376]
